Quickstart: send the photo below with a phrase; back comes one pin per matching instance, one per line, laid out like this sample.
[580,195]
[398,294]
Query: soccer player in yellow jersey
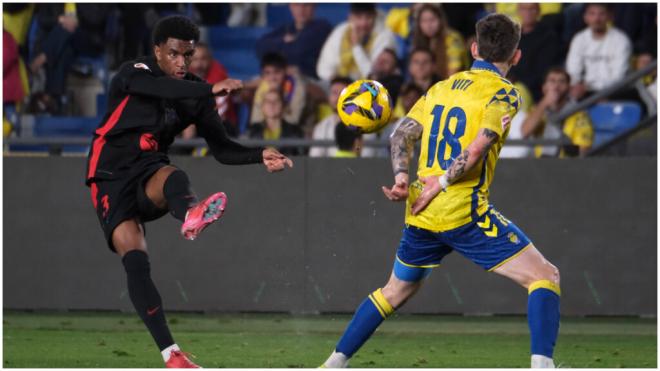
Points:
[461,124]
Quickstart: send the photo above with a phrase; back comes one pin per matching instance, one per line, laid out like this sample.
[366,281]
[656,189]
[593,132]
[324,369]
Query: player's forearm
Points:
[470,157]
[225,150]
[532,122]
[402,142]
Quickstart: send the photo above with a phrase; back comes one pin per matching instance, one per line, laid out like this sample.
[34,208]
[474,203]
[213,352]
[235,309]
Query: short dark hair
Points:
[273,59]
[423,49]
[341,80]
[608,7]
[497,37]
[175,27]
[557,69]
[345,136]
[363,8]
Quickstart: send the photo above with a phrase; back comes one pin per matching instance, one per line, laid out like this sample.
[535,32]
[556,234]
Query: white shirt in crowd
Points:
[324,130]
[598,62]
[328,65]
[515,132]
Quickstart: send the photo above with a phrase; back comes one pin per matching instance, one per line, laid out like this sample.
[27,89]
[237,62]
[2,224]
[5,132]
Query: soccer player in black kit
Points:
[151,100]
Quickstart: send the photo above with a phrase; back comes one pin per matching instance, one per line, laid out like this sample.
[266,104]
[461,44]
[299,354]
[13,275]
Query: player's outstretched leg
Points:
[128,240]
[170,188]
[379,305]
[531,270]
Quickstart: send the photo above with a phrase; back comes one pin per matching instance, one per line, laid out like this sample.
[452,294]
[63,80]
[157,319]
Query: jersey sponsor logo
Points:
[142,66]
[148,143]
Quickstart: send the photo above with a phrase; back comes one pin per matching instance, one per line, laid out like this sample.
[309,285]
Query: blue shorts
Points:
[489,242]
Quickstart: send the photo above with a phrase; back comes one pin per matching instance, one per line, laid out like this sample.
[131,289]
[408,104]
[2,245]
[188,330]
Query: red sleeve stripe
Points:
[99,142]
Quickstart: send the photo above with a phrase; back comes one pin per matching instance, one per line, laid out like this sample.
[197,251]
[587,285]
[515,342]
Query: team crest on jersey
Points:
[513,238]
[141,65]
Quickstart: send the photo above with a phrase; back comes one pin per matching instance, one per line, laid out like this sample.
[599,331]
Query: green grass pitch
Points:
[279,340]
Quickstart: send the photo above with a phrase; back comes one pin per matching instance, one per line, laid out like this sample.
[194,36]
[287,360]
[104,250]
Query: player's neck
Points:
[503,68]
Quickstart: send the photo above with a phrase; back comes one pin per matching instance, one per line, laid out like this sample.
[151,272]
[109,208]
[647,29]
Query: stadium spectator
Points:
[386,71]
[204,66]
[349,142]
[420,68]
[539,44]
[636,20]
[432,31]
[274,126]
[299,41]
[12,89]
[577,127]
[599,55]
[408,96]
[354,45]
[66,31]
[274,76]
[325,129]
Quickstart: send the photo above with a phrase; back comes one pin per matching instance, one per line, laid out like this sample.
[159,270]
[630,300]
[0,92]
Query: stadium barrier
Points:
[321,236]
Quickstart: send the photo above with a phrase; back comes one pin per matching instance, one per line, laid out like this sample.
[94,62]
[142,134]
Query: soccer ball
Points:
[366,105]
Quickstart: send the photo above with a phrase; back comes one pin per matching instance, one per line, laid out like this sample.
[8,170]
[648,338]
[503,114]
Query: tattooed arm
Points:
[461,165]
[402,141]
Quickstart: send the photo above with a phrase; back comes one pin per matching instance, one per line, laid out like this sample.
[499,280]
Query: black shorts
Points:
[124,198]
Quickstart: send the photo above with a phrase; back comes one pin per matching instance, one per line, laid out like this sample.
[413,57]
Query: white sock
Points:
[540,361]
[336,360]
[167,351]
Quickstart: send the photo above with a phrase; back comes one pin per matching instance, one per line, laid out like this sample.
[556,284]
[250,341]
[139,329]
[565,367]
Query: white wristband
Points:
[444,183]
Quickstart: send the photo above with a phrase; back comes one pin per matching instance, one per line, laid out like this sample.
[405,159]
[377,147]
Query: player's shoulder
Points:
[139,65]
[500,90]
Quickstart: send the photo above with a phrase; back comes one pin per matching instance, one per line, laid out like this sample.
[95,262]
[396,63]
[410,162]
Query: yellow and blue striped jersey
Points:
[452,112]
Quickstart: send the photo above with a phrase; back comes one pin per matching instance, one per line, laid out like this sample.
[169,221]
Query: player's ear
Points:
[516,57]
[474,49]
[157,52]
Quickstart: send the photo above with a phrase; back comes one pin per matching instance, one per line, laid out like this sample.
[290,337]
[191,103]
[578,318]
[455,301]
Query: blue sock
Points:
[369,315]
[543,316]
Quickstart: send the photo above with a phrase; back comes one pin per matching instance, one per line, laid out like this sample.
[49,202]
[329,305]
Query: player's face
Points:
[429,23]
[174,56]
[272,105]
[274,76]
[362,23]
[558,83]
[333,97]
[528,13]
[301,12]
[421,66]
[201,62]
[596,18]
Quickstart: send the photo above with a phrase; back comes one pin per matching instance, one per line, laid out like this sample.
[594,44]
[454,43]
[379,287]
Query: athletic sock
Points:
[179,194]
[167,352]
[369,315]
[543,317]
[145,297]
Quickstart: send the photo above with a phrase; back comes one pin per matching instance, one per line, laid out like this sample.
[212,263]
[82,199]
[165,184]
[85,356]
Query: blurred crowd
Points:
[570,52]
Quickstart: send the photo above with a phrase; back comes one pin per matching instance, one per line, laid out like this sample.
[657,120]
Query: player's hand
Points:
[227,86]
[431,189]
[399,191]
[275,161]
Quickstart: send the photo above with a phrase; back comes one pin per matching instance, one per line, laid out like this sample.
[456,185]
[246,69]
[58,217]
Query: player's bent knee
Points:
[397,292]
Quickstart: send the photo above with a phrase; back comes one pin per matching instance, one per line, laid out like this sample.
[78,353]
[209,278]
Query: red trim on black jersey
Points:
[99,142]
[95,192]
